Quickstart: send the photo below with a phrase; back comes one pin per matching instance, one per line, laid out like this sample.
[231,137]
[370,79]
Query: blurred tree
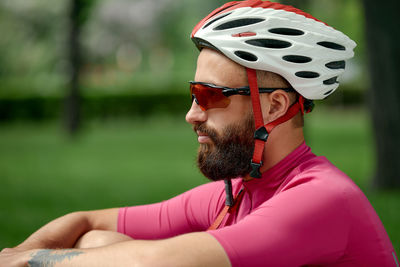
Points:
[383,37]
[78,14]
[33,35]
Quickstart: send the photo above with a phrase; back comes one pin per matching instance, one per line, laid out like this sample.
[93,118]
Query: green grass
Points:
[123,162]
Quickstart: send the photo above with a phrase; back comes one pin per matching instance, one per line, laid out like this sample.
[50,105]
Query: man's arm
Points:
[194,249]
[66,230]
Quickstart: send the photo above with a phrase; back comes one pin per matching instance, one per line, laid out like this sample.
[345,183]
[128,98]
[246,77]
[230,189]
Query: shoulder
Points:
[319,186]
[328,194]
[319,173]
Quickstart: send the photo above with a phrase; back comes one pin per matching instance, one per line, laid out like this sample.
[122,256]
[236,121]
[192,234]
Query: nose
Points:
[195,114]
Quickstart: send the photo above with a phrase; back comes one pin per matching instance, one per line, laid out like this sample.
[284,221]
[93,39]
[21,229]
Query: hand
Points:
[13,257]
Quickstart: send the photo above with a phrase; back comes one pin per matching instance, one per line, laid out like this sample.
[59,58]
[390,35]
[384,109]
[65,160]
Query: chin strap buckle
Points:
[261,134]
[255,169]
[260,137]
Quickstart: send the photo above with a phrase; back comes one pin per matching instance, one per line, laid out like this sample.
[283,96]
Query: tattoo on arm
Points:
[49,257]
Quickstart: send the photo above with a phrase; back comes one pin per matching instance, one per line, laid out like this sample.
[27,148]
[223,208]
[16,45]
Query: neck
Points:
[281,142]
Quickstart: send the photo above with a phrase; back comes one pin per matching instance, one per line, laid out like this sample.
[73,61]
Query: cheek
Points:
[219,118]
[239,107]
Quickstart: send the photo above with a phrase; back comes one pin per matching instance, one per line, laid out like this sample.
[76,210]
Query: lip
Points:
[203,137]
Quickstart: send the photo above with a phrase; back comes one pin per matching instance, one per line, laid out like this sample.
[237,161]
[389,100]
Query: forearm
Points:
[197,249]
[113,255]
[59,233]
[66,230]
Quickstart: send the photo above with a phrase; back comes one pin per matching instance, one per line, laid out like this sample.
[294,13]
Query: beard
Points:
[230,153]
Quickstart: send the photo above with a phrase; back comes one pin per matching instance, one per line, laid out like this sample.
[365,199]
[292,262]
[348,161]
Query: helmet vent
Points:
[246,56]
[331,81]
[297,59]
[307,74]
[327,93]
[269,43]
[237,23]
[334,65]
[332,45]
[201,43]
[286,31]
[214,20]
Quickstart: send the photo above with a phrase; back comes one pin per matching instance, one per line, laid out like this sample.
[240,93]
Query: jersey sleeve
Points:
[302,225]
[191,211]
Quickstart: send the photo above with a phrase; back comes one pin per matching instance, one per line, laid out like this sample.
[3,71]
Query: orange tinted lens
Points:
[209,97]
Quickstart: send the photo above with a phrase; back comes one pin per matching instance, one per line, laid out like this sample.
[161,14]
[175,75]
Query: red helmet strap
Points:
[262,131]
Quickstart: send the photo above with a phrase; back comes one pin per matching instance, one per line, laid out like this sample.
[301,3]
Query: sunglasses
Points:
[209,95]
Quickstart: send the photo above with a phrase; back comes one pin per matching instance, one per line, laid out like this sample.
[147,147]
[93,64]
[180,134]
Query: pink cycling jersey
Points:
[302,212]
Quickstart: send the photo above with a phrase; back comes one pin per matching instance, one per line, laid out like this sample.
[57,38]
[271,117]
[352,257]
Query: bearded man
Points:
[272,202]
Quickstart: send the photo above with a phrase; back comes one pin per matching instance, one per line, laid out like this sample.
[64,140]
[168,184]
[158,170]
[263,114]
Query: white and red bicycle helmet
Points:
[278,38]
[262,35]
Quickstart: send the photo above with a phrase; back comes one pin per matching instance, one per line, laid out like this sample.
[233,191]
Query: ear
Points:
[274,105]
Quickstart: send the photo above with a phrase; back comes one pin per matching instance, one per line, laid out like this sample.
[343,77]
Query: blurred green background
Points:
[133,145]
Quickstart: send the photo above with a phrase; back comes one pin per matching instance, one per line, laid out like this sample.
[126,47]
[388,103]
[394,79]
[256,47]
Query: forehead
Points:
[215,68]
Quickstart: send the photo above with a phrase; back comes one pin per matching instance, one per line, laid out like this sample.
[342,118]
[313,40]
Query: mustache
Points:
[204,129]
